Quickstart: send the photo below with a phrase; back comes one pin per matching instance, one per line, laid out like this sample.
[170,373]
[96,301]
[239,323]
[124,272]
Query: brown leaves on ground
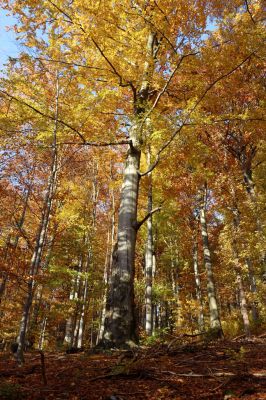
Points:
[224,370]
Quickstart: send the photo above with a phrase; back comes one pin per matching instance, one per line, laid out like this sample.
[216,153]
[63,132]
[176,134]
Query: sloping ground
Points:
[222,370]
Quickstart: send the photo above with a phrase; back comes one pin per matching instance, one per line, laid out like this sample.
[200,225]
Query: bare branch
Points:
[52,118]
[219,79]
[61,11]
[167,84]
[248,10]
[159,8]
[84,141]
[112,66]
[140,223]
[70,63]
[96,144]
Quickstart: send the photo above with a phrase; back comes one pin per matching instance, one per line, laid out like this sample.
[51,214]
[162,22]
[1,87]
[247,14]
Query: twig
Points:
[238,337]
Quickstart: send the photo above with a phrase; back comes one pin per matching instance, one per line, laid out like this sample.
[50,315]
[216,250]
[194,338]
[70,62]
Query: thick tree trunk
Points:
[120,326]
[119,320]
[215,322]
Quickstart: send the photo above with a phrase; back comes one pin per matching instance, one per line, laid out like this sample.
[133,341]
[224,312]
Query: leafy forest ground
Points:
[178,370]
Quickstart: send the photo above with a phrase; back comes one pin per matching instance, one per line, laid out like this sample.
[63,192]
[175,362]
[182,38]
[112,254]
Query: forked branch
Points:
[147,216]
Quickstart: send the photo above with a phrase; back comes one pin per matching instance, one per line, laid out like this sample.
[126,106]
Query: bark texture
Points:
[149,259]
[215,322]
[198,285]
[120,325]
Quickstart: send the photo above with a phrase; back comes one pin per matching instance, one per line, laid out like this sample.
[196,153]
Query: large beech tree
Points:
[145,64]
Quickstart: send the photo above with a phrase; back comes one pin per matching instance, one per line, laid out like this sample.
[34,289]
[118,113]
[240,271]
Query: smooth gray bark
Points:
[82,315]
[120,325]
[68,339]
[108,264]
[243,304]
[149,258]
[42,334]
[198,284]
[215,322]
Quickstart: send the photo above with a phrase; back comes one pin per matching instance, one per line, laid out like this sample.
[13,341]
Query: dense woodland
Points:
[132,173]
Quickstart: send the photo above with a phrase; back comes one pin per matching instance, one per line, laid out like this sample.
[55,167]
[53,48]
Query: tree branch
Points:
[52,118]
[96,144]
[248,10]
[84,141]
[112,66]
[140,223]
[166,85]
[185,122]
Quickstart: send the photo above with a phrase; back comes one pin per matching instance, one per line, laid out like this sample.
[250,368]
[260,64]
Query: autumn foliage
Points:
[176,92]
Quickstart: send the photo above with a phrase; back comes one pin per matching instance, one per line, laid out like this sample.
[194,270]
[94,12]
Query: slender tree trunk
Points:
[39,244]
[42,334]
[243,304]
[105,282]
[20,224]
[77,292]
[250,188]
[149,259]
[82,315]
[4,274]
[108,261]
[253,290]
[198,284]
[68,339]
[215,322]
[242,295]
[253,287]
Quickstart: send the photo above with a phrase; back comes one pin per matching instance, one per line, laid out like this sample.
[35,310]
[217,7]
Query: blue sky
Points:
[8,43]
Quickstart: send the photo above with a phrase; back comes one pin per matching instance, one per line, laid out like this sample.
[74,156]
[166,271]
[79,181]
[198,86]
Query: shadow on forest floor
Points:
[220,370]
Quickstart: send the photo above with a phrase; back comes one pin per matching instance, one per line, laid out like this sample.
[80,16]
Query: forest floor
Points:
[218,370]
